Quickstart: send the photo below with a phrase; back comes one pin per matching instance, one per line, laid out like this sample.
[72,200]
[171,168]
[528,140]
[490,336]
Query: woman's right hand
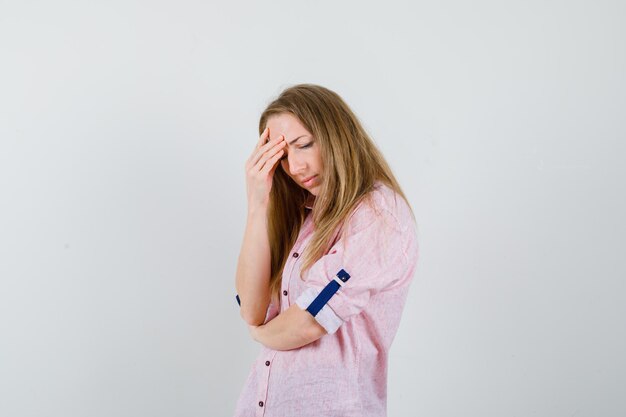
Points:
[260,168]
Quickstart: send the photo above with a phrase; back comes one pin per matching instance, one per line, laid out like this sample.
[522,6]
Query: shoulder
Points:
[382,206]
[385,220]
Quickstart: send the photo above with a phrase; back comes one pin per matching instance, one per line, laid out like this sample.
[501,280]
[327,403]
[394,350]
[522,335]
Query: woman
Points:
[328,254]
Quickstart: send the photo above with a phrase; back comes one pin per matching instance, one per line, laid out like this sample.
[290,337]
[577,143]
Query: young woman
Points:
[329,252]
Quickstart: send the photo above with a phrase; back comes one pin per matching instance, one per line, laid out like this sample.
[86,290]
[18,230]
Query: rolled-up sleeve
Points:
[371,250]
[326,317]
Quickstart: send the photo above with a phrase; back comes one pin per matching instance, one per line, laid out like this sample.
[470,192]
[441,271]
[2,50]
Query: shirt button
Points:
[285,292]
[295,254]
[260,403]
[267,363]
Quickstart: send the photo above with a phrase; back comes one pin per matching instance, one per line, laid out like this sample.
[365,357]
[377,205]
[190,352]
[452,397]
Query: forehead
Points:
[286,124]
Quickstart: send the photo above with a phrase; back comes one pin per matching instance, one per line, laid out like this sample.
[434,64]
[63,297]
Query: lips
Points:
[308,181]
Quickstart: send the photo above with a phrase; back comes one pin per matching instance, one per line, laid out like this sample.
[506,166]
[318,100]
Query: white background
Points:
[124,131]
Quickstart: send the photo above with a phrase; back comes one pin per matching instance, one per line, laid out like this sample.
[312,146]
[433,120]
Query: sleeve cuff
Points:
[326,317]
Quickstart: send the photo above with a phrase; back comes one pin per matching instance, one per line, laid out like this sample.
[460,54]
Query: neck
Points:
[310,200]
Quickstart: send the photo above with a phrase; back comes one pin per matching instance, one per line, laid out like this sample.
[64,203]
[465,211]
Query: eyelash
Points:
[308,145]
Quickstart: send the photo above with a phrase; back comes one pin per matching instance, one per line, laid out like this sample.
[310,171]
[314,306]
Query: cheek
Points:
[318,160]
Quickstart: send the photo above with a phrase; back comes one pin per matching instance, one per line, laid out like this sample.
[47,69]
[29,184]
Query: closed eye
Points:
[305,146]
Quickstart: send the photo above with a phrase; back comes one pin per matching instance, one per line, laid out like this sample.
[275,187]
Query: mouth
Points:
[308,181]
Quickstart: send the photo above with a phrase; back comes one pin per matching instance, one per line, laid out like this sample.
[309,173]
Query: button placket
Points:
[266,367]
[294,286]
[285,285]
[291,263]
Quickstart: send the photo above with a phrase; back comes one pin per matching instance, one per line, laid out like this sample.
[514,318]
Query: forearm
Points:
[253,268]
[291,329]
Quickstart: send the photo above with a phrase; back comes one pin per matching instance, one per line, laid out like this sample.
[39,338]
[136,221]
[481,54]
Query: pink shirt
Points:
[344,373]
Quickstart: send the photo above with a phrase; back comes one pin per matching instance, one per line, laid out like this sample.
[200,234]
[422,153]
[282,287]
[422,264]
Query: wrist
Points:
[257,210]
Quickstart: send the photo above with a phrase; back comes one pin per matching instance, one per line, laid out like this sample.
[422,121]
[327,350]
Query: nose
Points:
[296,163]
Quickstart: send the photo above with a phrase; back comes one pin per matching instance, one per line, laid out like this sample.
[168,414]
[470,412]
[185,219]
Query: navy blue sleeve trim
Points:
[238,300]
[326,294]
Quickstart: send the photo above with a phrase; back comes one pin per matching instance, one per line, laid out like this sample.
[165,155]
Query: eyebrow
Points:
[294,141]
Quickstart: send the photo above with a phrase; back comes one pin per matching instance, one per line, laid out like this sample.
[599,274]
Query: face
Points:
[302,160]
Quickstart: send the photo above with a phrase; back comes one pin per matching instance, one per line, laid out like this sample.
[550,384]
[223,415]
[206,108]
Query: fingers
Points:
[271,163]
[262,140]
[270,147]
[275,152]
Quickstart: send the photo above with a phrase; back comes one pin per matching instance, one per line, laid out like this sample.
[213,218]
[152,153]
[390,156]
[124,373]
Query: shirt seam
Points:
[403,230]
[358,367]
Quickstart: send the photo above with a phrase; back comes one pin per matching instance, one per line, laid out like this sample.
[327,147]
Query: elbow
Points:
[251,318]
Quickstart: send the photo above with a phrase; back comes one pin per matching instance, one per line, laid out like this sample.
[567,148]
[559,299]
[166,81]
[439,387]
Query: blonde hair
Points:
[352,164]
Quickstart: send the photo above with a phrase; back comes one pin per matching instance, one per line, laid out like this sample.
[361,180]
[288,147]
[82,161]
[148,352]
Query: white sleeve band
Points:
[326,317]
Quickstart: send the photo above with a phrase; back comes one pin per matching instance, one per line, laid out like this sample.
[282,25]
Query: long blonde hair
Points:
[351,165]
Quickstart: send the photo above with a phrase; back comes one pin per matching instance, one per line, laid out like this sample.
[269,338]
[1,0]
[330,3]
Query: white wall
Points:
[124,129]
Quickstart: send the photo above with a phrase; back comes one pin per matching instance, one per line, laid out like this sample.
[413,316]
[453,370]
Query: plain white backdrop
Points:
[124,129]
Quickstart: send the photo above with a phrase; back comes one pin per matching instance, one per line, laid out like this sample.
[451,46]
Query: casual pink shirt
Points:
[344,373]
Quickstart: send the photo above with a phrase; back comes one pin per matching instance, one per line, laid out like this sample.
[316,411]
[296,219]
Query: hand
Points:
[260,168]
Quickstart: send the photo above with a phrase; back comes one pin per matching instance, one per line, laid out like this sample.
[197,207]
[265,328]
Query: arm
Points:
[253,268]
[291,329]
